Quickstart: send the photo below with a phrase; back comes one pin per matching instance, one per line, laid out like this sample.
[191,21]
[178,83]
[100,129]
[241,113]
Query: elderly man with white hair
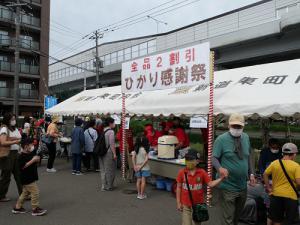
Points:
[232,160]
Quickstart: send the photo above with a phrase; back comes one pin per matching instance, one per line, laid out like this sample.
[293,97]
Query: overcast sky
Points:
[72,19]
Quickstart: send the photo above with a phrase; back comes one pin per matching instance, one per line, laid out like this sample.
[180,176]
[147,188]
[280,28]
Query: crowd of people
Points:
[244,192]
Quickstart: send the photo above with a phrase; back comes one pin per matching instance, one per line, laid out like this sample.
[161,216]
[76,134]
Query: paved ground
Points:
[76,200]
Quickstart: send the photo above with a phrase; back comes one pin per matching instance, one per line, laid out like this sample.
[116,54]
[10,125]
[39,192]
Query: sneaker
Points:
[18,211]
[139,196]
[73,173]
[5,199]
[78,173]
[38,212]
[144,196]
[97,171]
[51,170]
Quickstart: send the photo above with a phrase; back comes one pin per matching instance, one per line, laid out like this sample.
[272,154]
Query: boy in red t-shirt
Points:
[197,178]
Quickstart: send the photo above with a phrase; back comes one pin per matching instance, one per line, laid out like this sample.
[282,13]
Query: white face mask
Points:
[236,132]
[274,151]
[13,123]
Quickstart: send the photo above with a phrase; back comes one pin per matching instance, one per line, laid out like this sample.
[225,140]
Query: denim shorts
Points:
[143,173]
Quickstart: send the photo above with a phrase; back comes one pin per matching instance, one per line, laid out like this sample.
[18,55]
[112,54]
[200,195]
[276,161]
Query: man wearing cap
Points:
[232,160]
[284,194]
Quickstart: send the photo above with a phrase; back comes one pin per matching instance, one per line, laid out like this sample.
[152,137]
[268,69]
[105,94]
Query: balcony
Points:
[27,69]
[5,40]
[23,93]
[5,93]
[28,44]
[6,14]
[23,68]
[28,94]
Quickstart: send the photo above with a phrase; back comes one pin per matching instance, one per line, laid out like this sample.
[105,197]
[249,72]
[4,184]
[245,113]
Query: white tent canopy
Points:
[263,89]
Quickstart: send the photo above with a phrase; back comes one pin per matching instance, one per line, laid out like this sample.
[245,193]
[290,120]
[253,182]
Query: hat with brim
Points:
[237,119]
[289,148]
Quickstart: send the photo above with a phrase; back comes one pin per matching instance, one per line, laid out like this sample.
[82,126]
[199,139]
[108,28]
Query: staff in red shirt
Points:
[152,135]
[197,178]
[129,139]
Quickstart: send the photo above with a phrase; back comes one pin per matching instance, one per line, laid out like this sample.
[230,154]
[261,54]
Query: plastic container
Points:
[169,184]
[160,184]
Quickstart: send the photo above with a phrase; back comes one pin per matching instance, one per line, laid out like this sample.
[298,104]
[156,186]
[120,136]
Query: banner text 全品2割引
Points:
[173,69]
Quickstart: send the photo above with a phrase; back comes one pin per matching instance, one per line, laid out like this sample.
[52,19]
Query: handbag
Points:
[47,139]
[288,178]
[4,150]
[200,212]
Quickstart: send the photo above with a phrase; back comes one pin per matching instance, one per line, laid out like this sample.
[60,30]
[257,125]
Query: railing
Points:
[5,92]
[23,68]
[6,66]
[28,44]
[25,19]
[5,40]
[23,93]
[27,69]
[27,93]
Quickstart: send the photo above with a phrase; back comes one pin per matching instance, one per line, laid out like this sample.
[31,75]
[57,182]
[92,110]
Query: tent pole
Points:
[210,124]
[123,134]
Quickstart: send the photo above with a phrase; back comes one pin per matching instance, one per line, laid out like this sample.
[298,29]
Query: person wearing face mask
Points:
[232,160]
[9,136]
[197,179]
[269,154]
[28,161]
[284,193]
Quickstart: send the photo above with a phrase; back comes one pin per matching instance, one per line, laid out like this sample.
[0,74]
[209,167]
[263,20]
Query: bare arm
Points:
[35,159]
[5,142]
[178,196]
[146,160]
[215,183]
[267,183]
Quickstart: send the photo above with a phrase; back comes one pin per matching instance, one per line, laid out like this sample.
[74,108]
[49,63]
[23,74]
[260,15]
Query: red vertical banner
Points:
[123,135]
[210,124]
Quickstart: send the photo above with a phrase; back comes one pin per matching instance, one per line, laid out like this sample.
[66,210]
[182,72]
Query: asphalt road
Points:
[77,200]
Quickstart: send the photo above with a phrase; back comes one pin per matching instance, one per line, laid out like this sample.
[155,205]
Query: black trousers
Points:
[9,165]
[52,154]
[87,160]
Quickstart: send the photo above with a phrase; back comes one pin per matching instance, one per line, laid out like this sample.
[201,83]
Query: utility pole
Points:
[17,6]
[96,36]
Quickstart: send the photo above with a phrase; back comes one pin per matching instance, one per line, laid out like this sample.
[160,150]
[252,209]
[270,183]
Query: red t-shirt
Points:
[153,138]
[182,137]
[129,136]
[196,182]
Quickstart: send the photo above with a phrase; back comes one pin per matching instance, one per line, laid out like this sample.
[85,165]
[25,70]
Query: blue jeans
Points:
[76,162]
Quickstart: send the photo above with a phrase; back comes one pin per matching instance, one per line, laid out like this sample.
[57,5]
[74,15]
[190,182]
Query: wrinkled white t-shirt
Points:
[14,134]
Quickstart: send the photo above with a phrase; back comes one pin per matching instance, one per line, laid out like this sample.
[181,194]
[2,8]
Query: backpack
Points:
[100,147]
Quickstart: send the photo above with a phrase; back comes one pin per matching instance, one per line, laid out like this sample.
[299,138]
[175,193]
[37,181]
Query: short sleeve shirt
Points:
[14,134]
[224,149]
[281,186]
[196,183]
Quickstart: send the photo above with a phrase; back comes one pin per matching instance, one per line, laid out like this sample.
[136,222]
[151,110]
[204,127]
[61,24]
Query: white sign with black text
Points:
[198,122]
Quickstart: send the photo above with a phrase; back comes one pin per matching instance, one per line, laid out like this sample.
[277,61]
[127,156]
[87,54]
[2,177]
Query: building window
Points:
[107,60]
[2,84]
[135,51]
[3,58]
[25,86]
[121,56]
[143,49]
[151,46]
[127,53]
[113,57]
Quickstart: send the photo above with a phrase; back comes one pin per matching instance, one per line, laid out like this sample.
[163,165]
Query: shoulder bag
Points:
[200,212]
[4,150]
[288,178]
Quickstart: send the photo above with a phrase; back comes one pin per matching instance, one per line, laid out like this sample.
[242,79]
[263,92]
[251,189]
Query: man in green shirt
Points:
[232,160]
